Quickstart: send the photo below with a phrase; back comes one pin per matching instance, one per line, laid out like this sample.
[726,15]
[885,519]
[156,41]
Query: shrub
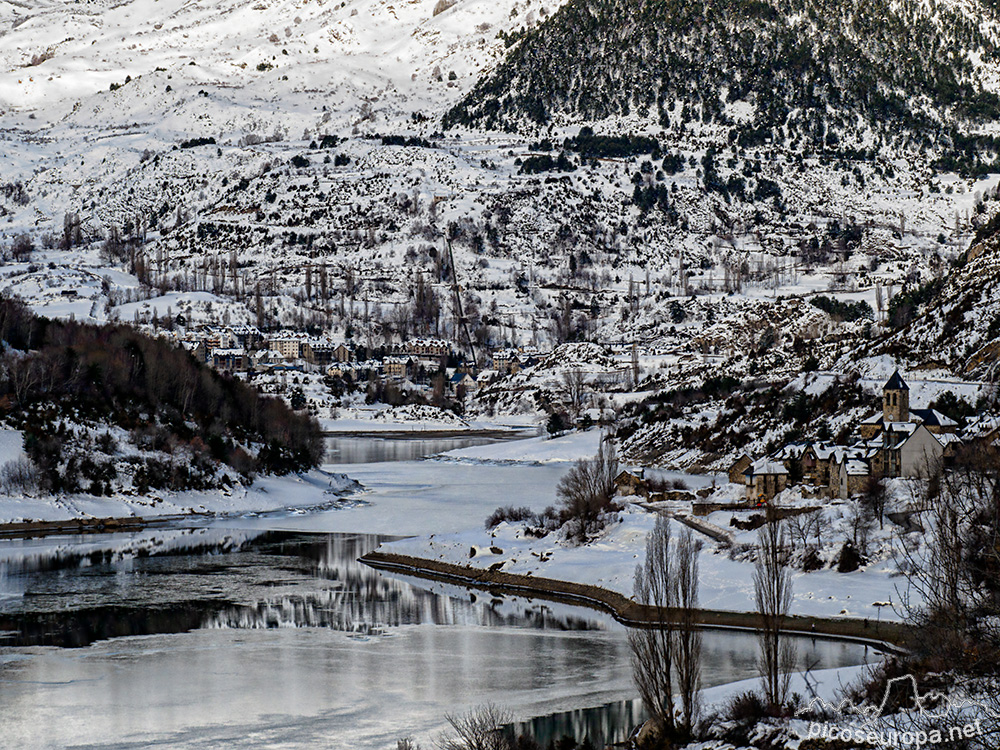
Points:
[106,443]
[745,708]
[19,475]
[510,514]
[193,142]
[850,559]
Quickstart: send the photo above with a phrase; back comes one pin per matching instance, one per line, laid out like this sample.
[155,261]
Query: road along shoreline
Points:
[887,636]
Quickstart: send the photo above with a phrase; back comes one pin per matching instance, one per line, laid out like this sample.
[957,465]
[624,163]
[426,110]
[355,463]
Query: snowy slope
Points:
[335,54]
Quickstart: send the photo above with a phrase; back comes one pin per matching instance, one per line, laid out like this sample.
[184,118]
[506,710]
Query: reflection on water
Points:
[727,656]
[174,581]
[284,639]
[365,450]
[601,725]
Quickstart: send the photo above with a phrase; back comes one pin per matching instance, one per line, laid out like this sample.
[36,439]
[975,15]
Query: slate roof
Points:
[895,383]
[858,468]
[933,418]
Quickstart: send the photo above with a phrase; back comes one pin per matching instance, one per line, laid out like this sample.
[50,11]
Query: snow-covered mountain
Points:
[286,162]
[831,76]
[300,57]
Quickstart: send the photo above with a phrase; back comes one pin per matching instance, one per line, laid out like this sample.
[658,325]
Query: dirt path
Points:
[890,636]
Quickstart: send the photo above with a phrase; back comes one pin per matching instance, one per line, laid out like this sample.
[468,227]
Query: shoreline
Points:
[89,525]
[891,637]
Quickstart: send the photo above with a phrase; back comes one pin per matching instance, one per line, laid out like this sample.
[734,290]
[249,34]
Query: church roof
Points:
[933,417]
[896,383]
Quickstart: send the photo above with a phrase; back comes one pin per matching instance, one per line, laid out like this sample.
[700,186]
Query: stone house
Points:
[631,483]
[317,352]
[911,450]
[738,468]
[506,361]
[342,353]
[764,479]
[428,348]
[983,430]
[399,368]
[816,464]
[850,477]
[464,381]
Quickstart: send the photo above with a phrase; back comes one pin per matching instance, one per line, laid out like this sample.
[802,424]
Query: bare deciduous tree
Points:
[653,647]
[72,232]
[22,247]
[861,521]
[772,585]
[485,727]
[806,532]
[687,648]
[587,490]
[875,499]
[574,390]
[19,475]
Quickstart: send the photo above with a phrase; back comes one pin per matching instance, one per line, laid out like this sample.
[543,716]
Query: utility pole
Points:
[458,304]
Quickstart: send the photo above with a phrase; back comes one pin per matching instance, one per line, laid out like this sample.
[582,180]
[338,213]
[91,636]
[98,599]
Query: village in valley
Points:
[421,369]
[508,374]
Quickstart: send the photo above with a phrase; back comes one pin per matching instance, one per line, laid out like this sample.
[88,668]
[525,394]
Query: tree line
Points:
[56,374]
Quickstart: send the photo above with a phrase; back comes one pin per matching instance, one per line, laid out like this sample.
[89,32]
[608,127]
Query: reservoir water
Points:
[241,636]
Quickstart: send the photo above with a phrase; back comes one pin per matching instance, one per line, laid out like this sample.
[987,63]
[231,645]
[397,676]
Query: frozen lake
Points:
[267,632]
[374,449]
[283,640]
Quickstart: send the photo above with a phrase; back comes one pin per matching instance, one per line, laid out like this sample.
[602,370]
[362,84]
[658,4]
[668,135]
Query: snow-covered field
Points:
[610,560]
[449,502]
[569,447]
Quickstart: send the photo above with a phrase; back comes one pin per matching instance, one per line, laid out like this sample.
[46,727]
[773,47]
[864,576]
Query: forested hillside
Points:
[107,408]
[954,320]
[821,74]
